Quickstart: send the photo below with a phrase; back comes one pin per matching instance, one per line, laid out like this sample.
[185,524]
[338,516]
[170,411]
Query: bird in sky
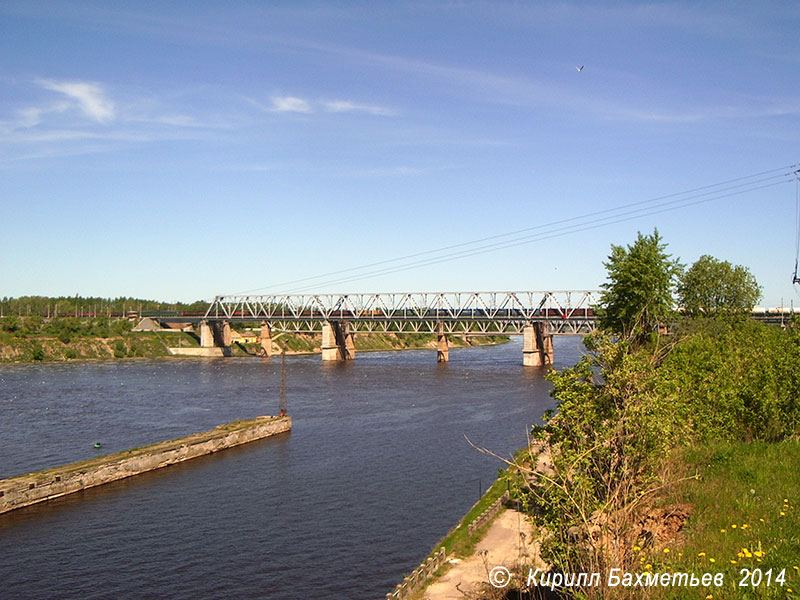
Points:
[579,68]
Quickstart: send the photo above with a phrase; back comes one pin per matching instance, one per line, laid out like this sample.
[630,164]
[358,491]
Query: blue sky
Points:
[181,150]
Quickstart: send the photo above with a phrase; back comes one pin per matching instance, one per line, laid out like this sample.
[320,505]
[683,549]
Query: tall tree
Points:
[714,287]
[638,296]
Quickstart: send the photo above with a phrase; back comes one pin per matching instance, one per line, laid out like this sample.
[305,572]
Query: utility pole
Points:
[283,385]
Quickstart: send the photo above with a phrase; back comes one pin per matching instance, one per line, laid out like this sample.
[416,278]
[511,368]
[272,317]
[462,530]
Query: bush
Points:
[9,324]
[65,329]
[738,381]
[119,349]
[37,352]
[624,409]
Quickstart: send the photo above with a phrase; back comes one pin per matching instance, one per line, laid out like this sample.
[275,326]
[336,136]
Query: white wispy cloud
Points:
[290,104]
[344,106]
[82,119]
[89,97]
[296,104]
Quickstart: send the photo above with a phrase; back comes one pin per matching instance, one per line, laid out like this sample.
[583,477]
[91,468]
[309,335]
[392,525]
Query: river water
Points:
[375,471]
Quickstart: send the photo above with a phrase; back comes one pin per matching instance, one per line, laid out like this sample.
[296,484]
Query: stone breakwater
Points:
[24,490]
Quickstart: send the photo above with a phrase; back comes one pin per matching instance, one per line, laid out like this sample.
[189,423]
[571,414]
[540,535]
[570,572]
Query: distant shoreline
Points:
[28,349]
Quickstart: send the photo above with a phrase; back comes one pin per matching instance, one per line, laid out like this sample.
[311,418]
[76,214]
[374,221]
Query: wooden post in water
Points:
[283,385]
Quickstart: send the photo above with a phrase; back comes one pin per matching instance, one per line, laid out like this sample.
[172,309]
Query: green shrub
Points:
[119,349]
[9,324]
[37,352]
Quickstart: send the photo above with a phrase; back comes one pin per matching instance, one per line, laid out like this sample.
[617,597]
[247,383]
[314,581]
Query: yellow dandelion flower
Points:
[680,554]
[709,597]
[789,590]
[648,566]
[636,548]
[759,553]
[758,560]
[712,560]
[666,550]
[641,559]
[783,514]
[733,562]
[786,501]
[701,554]
[740,555]
[745,526]
[733,526]
[723,530]
[762,520]
[796,568]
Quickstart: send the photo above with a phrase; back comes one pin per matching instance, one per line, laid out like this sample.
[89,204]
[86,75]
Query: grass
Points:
[136,344]
[745,515]
[458,541]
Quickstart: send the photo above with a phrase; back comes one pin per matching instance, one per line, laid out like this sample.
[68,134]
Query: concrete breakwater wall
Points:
[24,490]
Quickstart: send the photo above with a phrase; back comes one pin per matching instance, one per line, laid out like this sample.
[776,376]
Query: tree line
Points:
[75,306]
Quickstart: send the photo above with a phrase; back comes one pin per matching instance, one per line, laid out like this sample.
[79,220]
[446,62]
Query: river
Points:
[375,471]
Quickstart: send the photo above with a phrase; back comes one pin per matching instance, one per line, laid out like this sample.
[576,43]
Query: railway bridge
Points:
[537,316]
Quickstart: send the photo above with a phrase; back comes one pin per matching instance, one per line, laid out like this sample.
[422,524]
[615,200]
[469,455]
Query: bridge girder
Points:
[567,312]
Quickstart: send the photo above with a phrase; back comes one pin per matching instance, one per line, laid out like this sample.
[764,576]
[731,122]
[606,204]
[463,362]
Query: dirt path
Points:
[509,542]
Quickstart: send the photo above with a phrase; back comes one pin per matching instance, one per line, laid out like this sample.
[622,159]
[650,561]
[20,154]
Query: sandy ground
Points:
[509,542]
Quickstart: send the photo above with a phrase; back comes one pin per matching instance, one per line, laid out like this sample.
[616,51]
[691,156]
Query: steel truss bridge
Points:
[568,312]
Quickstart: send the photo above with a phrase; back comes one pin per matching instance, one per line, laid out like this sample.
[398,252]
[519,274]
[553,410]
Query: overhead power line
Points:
[558,228]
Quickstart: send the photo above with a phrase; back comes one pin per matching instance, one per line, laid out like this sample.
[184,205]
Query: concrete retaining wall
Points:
[211,352]
[40,486]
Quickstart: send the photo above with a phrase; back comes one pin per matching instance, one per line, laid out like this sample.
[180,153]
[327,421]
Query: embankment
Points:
[158,344]
[24,490]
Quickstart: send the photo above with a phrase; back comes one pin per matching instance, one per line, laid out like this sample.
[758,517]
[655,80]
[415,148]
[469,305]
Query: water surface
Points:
[374,472]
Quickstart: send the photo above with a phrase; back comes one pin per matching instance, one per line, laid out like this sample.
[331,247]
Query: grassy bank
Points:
[129,345]
[32,339]
[635,422]
[458,540]
[743,515]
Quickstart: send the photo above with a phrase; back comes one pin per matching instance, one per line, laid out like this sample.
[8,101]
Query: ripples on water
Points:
[375,471]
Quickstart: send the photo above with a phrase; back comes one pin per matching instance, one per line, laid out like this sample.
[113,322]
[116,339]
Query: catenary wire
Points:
[681,197]
[529,239]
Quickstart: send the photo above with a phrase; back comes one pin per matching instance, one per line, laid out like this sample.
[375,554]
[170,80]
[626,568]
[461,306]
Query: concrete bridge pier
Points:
[265,337]
[206,335]
[215,334]
[442,345]
[337,341]
[537,345]
[224,333]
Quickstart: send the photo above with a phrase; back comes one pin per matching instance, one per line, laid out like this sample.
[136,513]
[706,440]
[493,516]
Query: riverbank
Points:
[495,532]
[157,344]
[40,486]
[508,543]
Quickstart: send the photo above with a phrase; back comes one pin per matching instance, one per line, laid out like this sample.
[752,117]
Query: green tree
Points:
[713,287]
[638,296]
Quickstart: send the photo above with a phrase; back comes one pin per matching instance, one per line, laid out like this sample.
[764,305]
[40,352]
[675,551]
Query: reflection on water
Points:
[375,471]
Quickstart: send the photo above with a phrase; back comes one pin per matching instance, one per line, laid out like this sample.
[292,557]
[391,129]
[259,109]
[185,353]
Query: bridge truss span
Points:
[567,312]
